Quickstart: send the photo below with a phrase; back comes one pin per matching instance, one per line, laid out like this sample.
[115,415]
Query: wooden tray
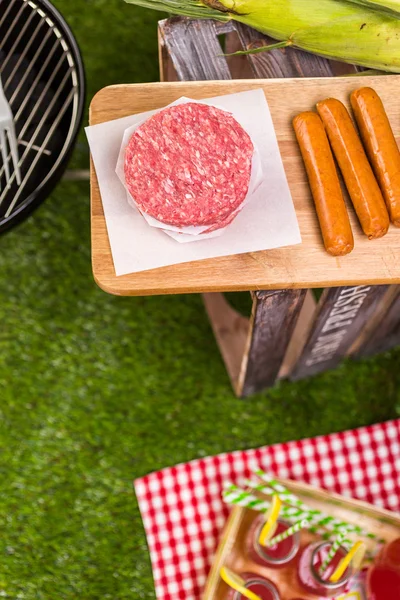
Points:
[383,523]
[302,266]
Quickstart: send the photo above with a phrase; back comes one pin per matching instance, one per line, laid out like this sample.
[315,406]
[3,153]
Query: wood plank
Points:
[286,62]
[231,331]
[194,49]
[239,66]
[273,319]
[386,334]
[234,336]
[200,59]
[303,266]
[341,315]
[166,66]
[380,312]
[300,335]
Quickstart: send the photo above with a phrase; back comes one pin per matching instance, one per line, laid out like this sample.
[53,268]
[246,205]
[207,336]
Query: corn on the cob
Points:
[335,29]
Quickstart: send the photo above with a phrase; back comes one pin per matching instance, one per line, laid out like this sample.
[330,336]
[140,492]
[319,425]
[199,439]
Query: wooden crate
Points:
[288,334]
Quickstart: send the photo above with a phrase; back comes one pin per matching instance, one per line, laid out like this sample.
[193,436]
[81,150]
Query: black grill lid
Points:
[42,74]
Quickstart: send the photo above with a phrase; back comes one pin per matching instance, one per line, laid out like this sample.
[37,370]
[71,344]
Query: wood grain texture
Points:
[239,66]
[195,52]
[231,331]
[255,350]
[273,319]
[165,64]
[386,334]
[286,62]
[379,314]
[300,334]
[302,266]
[194,48]
[341,315]
[231,549]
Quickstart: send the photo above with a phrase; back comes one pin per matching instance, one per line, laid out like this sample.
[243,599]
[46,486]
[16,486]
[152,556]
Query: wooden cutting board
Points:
[303,266]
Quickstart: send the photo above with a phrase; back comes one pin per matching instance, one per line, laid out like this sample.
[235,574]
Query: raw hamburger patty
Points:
[189,164]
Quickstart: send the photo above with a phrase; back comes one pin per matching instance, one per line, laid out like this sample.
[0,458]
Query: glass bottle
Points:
[264,588]
[278,555]
[383,580]
[311,560]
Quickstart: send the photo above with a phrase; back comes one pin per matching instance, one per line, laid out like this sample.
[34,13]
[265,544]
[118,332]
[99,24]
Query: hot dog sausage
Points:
[357,173]
[324,183]
[380,145]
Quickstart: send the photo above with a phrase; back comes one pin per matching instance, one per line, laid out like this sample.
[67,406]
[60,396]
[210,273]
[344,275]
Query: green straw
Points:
[239,497]
[319,522]
[331,554]
[276,486]
[335,525]
[289,532]
[236,496]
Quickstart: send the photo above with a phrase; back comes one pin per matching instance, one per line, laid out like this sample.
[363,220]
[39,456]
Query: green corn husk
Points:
[389,6]
[335,29]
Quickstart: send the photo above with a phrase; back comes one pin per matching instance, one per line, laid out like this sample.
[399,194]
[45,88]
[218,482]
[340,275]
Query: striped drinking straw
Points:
[288,532]
[331,523]
[331,554]
[318,522]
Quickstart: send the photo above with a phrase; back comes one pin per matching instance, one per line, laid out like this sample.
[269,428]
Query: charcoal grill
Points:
[43,79]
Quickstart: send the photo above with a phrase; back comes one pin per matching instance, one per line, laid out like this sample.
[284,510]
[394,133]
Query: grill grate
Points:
[41,79]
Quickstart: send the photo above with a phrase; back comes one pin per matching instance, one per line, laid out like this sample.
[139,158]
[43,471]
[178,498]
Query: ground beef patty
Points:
[189,164]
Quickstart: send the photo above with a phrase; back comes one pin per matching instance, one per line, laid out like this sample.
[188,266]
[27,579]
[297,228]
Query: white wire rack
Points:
[40,79]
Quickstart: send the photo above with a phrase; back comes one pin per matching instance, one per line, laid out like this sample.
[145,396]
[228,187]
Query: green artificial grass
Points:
[97,390]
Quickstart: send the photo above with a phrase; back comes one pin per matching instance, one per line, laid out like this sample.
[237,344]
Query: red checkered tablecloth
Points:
[183,513]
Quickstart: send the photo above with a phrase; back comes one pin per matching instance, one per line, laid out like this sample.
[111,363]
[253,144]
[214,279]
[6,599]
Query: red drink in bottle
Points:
[264,588]
[278,555]
[383,581]
[310,562]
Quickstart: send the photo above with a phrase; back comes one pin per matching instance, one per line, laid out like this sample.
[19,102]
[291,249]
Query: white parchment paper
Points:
[268,221]
[190,233]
